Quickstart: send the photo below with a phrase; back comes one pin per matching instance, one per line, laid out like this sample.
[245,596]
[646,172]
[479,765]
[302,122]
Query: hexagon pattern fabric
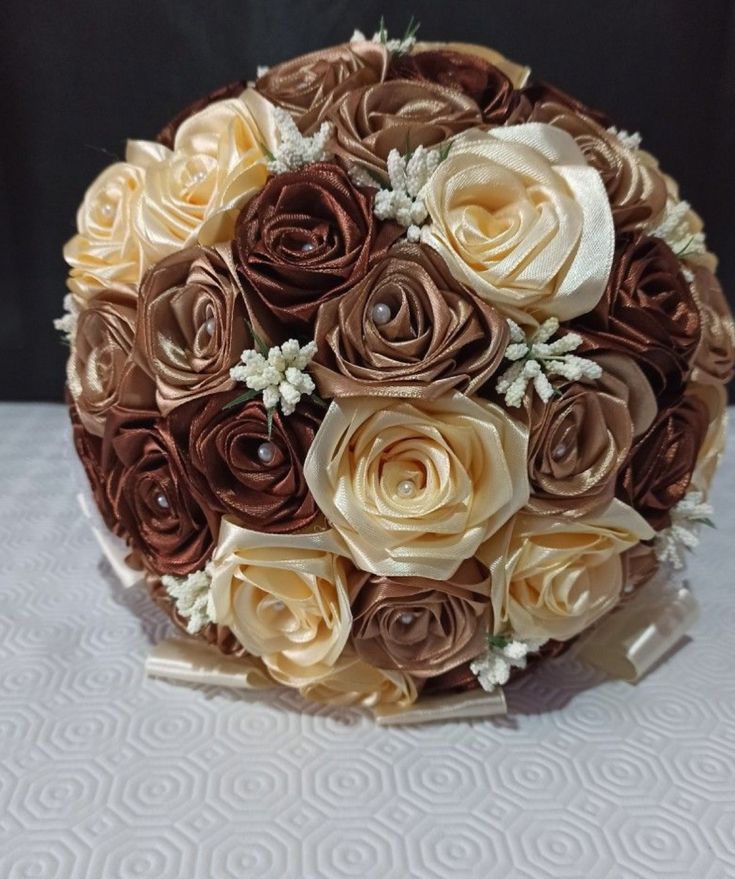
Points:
[105,774]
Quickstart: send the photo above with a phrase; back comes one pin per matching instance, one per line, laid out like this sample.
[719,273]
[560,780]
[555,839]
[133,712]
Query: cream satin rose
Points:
[414,487]
[520,217]
[353,682]
[284,598]
[553,577]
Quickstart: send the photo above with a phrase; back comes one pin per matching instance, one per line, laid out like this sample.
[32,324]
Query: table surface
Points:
[107,775]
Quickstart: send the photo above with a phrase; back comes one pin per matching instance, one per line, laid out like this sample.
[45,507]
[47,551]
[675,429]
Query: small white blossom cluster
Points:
[537,357]
[493,668]
[279,375]
[67,323]
[630,140]
[687,516]
[192,597]
[294,150]
[675,229]
[396,47]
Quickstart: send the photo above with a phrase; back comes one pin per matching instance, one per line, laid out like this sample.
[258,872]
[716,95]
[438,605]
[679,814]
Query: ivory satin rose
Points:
[353,682]
[414,487]
[552,577]
[520,217]
[285,599]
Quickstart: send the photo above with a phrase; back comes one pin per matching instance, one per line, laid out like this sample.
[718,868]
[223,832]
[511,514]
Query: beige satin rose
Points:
[195,191]
[714,359]
[106,251]
[520,217]
[714,396]
[552,577]
[414,487]
[284,597]
[353,682]
[518,74]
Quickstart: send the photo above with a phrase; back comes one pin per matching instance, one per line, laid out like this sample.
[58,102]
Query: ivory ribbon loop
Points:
[459,706]
[632,639]
[187,660]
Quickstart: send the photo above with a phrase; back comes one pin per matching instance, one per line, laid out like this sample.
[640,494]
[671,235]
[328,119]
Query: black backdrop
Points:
[79,76]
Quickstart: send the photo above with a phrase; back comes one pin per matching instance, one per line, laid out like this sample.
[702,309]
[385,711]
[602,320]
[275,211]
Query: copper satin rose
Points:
[714,359]
[307,86]
[192,325]
[475,77]
[151,499]
[646,311]
[399,114]
[220,454]
[540,93]
[100,371]
[580,439]
[439,336]
[167,134]
[661,463]
[637,190]
[419,626]
[309,236]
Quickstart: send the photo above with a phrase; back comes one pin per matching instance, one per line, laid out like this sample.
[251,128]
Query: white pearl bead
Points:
[406,618]
[405,488]
[381,314]
[266,452]
[210,325]
[559,452]
[162,501]
[198,177]
[307,247]
[278,604]
[107,210]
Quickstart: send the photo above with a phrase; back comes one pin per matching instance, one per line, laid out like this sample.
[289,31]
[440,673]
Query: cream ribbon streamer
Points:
[182,659]
[632,639]
[432,709]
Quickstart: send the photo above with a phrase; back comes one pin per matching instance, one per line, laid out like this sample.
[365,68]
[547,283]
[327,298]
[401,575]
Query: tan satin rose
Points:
[553,577]
[714,359]
[106,251]
[100,372]
[408,329]
[415,487]
[519,216]
[714,397]
[353,682]
[192,325]
[400,114]
[285,599]
[518,74]
[195,191]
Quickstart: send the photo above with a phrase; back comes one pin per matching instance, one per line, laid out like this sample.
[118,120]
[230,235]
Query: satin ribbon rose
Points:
[414,487]
[714,359]
[518,74]
[519,217]
[285,599]
[353,682]
[554,577]
[408,329]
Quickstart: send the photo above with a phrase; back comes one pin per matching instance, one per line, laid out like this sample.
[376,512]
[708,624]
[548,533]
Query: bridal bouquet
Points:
[395,370]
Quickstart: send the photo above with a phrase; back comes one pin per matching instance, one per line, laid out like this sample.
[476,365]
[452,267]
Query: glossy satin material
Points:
[184,659]
[518,74]
[353,682]
[714,359]
[440,335]
[167,134]
[433,709]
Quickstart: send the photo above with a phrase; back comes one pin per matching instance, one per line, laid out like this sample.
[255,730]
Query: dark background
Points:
[79,76]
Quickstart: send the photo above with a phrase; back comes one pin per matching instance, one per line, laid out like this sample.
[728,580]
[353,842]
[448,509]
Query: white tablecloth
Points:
[107,775]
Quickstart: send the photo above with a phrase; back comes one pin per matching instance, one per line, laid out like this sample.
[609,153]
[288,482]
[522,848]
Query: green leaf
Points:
[260,345]
[498,641]
[411,29]
[243,398]
[707,521]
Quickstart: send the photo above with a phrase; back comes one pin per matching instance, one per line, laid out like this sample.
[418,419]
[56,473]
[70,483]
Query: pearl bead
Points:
[162,501]
[381,314]
[307,247]
[278,604]
[106,210]
[559,452]
[266,452]
[210,325]
[406,618]
[198,177]
[405,488]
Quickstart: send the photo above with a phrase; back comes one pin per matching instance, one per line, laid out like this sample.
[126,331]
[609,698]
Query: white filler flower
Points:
[294,150]
[682,535]
[67,323]
[279,375]
[493,668]
[192,597]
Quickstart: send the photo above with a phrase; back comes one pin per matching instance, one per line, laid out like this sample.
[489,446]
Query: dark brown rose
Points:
[167,134]
[714,359]
[407,329]
[150,497]
[309,236]
[660,466]
[635,187]
[540,93]
[235,468]
[399,114]
[648,312]
[192,325]
[308,85]
[475,77]
[89,449]
[101,373]
[420,626]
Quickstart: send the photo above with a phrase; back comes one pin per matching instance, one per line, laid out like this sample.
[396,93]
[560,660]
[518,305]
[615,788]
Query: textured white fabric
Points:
[105,774]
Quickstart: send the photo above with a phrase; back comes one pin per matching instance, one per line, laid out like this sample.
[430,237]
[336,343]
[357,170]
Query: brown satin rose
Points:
[192,325]
[422,627]
[660,466]
[222,449]
[100,371]
[151,499]
[167,134]
[475,77]
[309,236]
[408,329]
[639,565]
[539,93]
[714,359]
[400,114]
[648,312]
[307,86]
[635,187]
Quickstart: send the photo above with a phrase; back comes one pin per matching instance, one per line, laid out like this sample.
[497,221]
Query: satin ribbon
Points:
[113,548]
[183,659]
[458,706]
[632,639]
